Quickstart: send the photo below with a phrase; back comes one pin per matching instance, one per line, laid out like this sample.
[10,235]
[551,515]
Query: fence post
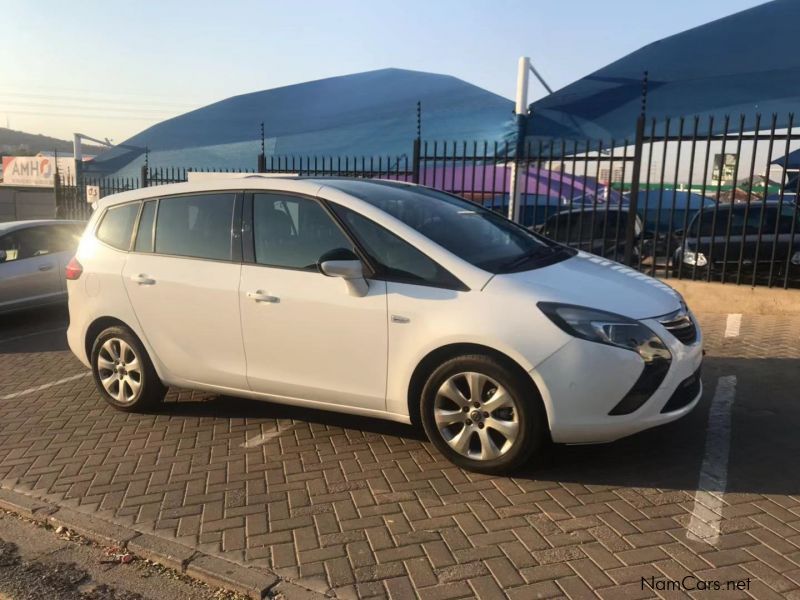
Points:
[519,172]
[56,194]
[633,201]
[415,158]
[262,157]
[143,176]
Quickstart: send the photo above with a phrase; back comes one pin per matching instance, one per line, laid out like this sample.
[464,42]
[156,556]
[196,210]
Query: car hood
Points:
[595,282]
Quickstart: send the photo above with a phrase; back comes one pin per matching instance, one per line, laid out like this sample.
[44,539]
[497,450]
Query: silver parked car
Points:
[33,255]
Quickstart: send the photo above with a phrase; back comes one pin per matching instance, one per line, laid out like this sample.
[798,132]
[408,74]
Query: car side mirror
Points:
[344,263]
[3,256]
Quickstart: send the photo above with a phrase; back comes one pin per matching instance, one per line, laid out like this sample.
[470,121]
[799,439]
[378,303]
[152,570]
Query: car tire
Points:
[123,372]
[468,431]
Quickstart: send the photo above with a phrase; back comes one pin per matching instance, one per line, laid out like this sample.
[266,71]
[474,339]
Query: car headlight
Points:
[695,259]
[607,328]
[615,330]
[796,258]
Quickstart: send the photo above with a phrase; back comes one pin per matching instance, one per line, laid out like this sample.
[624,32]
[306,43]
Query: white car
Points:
[380,299]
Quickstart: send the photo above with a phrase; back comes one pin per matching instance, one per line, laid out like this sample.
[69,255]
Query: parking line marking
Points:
[263,438]
[39,388]
[708,503]
[32,334]
[732,325]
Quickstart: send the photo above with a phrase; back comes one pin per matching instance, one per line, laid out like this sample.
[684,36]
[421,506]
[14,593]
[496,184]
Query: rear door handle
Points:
[46,268]
[260,296]
[142,279]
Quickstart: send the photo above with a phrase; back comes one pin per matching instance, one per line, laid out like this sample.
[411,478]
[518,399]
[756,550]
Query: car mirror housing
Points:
[344,263]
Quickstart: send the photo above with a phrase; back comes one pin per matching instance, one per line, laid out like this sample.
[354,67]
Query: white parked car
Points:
[379,299]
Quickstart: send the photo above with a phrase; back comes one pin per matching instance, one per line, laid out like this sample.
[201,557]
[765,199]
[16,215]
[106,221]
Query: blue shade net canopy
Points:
[745,63]
[365,114]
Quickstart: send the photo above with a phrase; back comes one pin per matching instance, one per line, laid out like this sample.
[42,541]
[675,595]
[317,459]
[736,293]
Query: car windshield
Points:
[474,234]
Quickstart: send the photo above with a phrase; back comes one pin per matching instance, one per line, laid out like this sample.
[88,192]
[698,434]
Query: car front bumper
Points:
[583,381]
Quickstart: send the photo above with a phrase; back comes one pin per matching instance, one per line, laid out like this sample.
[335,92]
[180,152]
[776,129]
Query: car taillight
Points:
[73,270]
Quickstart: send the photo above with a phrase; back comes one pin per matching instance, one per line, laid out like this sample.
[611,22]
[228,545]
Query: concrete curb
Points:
[217,572]
[704,297]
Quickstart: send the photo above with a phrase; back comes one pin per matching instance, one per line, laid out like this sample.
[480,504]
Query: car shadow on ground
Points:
[764,444]
[763,439]
[230,407]
[34,330]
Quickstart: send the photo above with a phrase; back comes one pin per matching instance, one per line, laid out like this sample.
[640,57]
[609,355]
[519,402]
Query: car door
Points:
[420,295]
[305,336]
[182,277]
[30,273]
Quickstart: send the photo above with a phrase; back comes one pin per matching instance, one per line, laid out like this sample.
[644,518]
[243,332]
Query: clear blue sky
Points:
[111,68]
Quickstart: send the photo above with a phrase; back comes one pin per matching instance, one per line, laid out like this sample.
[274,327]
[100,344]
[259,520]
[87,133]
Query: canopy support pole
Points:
[516,188]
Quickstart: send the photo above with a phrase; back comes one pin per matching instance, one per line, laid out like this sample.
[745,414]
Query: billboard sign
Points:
[36,171]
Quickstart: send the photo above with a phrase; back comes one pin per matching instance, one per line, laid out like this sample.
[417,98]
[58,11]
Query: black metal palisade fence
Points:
[686,198]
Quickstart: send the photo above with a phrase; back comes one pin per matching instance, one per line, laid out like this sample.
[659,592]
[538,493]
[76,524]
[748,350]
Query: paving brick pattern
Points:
[361,508]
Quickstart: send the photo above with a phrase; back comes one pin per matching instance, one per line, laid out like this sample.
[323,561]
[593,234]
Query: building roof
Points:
[743,63]
[365,114]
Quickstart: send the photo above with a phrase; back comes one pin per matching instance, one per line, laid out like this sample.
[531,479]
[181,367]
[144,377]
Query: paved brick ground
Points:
[362,508]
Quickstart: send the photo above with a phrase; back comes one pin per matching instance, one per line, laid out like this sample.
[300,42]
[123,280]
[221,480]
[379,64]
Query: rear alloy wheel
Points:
[481,415]
[123,372]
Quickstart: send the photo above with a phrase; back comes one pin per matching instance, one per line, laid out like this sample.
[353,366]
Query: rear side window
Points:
[117,225]
[789,220]
[397,260]
[144,235]
[195,226]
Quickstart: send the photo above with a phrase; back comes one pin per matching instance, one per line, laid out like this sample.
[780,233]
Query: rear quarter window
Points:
[116,225]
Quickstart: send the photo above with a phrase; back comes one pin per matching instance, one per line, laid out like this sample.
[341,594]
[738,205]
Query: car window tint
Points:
[578,226]
[293,232]
[789,215]
[396,259]
[469,231]
[709,223]
[144,235]
[10,243]
[66,237]
[612,224]
[32,242]
[117,225]
[555,226]
[195,226]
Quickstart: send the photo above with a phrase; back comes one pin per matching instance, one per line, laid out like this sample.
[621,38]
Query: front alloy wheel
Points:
[476,416]
[483,415]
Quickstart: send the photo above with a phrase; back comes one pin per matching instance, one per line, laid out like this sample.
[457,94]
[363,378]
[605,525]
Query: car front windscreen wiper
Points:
[530,255]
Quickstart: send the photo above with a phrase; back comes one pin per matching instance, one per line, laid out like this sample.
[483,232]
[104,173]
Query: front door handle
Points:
[142,279]
[46,268]
[260,296]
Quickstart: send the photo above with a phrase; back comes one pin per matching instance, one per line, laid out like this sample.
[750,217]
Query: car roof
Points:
[10,226]
[221,182]
[612,208]
[742,206]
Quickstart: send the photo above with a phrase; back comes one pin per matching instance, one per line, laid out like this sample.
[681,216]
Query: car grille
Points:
[686,392]
[681,325]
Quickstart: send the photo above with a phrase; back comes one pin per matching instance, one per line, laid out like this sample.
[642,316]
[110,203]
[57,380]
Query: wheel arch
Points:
[436,357]
[102,323]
